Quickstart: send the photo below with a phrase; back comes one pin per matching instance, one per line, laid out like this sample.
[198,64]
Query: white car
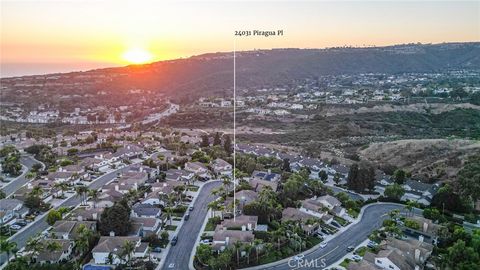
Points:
[356,258]
[172,265]
[323,244]
[298,257]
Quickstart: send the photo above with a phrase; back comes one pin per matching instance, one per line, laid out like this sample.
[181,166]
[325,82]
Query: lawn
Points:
[212,223]
[171,227]
[192,188]
[345,263]
[361,251]
[352,212]
[341,221]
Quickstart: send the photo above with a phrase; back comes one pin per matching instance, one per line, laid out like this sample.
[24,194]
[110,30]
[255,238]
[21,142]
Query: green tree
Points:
[216,139]
[83,239]
[205,141]
[52,246]
[204,253]
[128,248]
[361,176]
[323,175]
[469,178]
[82,192]
[399,176]
[460,256]
[227,144]
[34,246]
[62,186]
[394,191]
[94,195]
[336,178]
[52,216]
[116,219]
[7,247]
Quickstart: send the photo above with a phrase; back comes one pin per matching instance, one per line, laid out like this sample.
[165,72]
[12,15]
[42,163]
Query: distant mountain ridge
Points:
[213,72]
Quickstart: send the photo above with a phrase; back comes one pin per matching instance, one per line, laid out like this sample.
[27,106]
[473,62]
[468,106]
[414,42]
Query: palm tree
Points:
[214,207]
[82,242]
[94,194]
[34,246]
[410,206]
[53,246]
[127,249]
[394,214]
[110,258]
[257,243]
[248,250]
[278,234]
[36,191]
[8,247]
[62,186]
[268,247]
[169,214]
[82,193]
[237,246]
[226,184]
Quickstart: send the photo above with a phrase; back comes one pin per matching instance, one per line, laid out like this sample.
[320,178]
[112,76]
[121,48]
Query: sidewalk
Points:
[306,252]
[167,249]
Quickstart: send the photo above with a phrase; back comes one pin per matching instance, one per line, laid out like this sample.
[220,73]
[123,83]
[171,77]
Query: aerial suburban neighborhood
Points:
[254,135]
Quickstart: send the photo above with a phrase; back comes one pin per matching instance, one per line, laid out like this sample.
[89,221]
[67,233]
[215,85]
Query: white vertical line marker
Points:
[234,126]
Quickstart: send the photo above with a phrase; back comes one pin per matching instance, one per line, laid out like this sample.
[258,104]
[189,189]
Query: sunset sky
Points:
[52,36]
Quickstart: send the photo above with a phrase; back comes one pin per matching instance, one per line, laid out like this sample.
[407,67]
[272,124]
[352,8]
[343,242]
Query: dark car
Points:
[22,223]
[157,249]
[190,208]
[350,248]
[174,240]
[187,216]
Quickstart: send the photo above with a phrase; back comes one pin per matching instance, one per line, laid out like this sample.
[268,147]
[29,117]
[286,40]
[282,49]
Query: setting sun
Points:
[137,56]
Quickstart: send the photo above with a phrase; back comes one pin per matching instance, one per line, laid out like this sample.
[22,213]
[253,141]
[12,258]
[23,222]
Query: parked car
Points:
[356,258]
[174,240]
[187,216]
[190,208]
[15,227]
[157,249]
[323,244]
[22,223]
[350,248]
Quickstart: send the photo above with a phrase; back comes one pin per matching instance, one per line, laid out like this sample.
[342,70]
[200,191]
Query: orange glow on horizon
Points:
[137,56]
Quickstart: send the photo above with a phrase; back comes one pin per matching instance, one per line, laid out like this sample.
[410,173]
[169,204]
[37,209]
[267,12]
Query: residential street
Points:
[320,258]
[14,185]
[179,254]
[40,223]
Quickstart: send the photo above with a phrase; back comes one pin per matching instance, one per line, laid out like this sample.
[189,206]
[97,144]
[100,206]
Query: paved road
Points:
[15,184]
[187,235]
[320,258]
[40,223]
